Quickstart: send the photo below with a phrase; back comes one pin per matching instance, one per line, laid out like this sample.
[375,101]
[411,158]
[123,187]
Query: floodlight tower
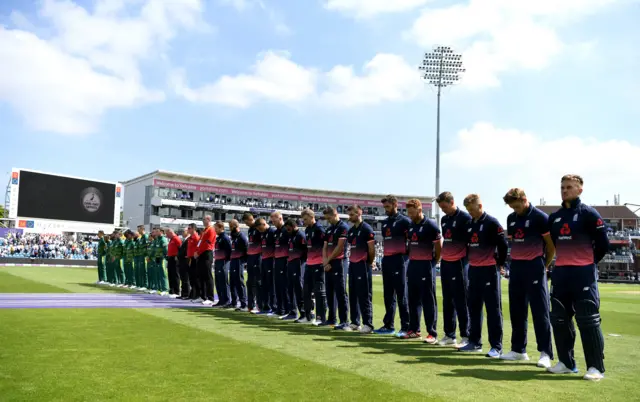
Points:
[441,68]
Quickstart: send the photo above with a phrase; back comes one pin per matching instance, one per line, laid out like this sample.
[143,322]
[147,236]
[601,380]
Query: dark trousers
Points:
[574,292]
[455,288]
[253,281]
[314,283]
[221,269]
[361,293]
[282,288]
[484,289]
[236,282]
[205,261]
[337,292]
[528,286]
[102,272]
[394,286]
[421,280]
[194,279]
[294,284]
[184,278]
[267,285]
[174,275]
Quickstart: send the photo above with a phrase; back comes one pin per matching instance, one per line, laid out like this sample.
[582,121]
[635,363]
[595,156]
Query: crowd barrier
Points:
[47,261]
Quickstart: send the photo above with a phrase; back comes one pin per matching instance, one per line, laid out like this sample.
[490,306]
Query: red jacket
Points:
[207,240]
[174,245]
[192,244]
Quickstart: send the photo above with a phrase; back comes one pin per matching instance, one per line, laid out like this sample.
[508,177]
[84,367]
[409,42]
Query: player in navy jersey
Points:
[282,306]
[581,241]
[297,257]
[254,261]
[222,259]
[314,277]
[454,269]
[267,286]
[394,267]
[532,252]
[362,250]
[487,255]
[334,264]
[424,253]
[239,244]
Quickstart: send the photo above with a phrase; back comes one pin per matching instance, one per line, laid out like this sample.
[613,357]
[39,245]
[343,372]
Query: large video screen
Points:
[62,198]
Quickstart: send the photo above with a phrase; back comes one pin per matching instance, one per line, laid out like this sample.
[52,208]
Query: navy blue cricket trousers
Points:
[454,279]
[254,261]
[361,293]
[281,286]
[267,284]
[484,289]
[421,281]
[236,282]
[337,292]
[294,286]
[528,286]
[221,276]
[394,285]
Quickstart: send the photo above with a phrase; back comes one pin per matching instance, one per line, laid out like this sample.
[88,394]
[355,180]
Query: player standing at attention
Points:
[196,294]
[173,265]
[394,267]
[151,263]
[117,252]
[183,266]
[254,261]
[141,258]
[314,277]
[282,306]
[102,244]
[581,241]
[486,236]
[361,241]
[267,285]
[204,256]
[222,260]
[297,258]
[239,245]
[528,230]
[129,255]
[454,269]
[161,255]
[334,265]
[424,253]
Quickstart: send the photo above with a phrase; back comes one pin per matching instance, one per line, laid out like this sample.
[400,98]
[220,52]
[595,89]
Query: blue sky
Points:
[326,93]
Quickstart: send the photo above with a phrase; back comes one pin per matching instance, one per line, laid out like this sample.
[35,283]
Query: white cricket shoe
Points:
[153,292]
[447,341]
[172,296]
[560,368]
[112,285]
[593,374]
[164,293]
[303,320]
[198,300]
[143,289]
[463,342]
[366,329]
[355,327]
[514,356]
[255,311]
[545,361]
[207,303]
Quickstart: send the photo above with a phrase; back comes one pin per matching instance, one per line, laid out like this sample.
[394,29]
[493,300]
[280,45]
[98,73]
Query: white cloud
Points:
[495,159]
[372,8]
[497,36]
[277,78]
[90,61]
[274,17]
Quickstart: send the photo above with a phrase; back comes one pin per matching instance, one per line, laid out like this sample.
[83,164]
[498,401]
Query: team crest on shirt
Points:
[481,226]
[526,224]
[575,218]
[421,227]
[557,220]
[454,224]
[512,224]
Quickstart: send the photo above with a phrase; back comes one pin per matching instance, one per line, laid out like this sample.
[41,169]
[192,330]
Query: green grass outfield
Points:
[208,354]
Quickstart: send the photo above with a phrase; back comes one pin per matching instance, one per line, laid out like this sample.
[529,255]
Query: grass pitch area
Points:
[207,354]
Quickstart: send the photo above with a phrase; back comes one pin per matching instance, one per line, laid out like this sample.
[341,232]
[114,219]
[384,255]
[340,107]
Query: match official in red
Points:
[204,256]
[581,241]
[172,263]
[194,279]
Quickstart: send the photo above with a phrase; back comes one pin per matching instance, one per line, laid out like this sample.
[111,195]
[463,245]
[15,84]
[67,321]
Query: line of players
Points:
[291,272]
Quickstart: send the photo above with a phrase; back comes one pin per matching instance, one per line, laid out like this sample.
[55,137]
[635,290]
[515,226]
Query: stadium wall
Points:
[135,201]
[48,261]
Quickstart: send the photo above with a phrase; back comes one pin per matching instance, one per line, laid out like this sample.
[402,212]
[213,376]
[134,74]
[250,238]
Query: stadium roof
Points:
[252,185]
[606,211]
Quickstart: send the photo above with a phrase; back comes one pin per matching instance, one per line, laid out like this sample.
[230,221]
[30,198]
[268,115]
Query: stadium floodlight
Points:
[441,68]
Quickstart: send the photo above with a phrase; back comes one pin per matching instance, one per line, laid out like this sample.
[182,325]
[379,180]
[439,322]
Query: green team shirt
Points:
[117,248]
[161,247]
[102,247]
[107,249]
[141,245]
[129,250]
[151,249]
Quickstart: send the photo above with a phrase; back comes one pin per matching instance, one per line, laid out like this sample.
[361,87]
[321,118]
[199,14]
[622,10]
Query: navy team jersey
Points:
[282,243]
[579,234]
[359,238]
[269,243]
[526,234]
[422,236]
[297,246]
[223,247]
[454,233]
[315,243]
[394,231]
[255,241]
[239,245]
[485,236]
[333,235]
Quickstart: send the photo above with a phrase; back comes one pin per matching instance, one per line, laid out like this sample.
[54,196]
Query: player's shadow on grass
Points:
[108,288]
[511,375]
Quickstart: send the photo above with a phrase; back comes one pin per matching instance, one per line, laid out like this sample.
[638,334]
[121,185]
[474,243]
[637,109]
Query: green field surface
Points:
[220,355]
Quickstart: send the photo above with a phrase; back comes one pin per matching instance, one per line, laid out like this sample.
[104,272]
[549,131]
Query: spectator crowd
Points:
[45,246]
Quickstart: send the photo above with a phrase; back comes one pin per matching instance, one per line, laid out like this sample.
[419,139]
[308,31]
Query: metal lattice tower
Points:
[441,68]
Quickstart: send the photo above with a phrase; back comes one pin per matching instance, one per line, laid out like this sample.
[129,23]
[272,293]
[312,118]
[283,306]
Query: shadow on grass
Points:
[499,375]
[109,288]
